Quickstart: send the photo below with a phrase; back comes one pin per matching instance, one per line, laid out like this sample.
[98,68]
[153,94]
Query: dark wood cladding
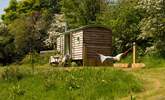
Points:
[97,40]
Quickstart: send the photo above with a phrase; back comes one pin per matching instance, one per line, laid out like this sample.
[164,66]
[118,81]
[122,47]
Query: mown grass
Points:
[70,84]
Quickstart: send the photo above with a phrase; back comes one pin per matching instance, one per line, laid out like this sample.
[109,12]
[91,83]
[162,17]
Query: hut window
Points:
[78,39]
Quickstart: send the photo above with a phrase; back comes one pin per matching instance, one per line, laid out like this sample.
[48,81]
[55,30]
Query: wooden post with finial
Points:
[134,52]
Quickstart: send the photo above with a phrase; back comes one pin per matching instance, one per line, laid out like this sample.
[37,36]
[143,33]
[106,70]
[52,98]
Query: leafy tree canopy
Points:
[17,9]
[82,12]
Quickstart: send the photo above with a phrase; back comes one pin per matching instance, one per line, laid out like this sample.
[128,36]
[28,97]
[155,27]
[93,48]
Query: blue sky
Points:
[3,4]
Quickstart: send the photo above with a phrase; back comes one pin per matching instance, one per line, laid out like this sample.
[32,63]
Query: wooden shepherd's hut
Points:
[83,44]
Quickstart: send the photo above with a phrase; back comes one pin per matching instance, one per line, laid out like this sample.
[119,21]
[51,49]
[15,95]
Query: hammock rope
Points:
[126,52]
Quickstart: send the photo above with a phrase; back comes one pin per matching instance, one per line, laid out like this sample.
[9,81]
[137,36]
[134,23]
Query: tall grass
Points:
[151,61]
[38,59]
[72,84]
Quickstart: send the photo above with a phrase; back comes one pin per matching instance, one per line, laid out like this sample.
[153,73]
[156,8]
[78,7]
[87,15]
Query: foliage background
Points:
[32,25]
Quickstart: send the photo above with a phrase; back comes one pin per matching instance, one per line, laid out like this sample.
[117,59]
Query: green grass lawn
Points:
[67,84]
[18,82]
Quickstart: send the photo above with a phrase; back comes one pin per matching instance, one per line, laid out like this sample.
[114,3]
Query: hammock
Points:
[114,58]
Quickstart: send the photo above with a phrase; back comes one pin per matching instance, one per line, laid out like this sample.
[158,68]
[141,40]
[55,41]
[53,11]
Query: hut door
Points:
[77,45]
[67,44]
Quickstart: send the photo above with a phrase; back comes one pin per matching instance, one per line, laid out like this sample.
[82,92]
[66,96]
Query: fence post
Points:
[134,52]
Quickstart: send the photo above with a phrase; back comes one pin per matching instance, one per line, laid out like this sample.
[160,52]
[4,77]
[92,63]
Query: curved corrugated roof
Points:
[87,26]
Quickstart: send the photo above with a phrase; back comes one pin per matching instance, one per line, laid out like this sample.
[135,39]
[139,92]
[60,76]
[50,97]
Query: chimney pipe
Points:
[66,27]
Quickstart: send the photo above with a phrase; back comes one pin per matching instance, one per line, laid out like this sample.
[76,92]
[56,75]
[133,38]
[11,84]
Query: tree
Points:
[20,8]
[152,25]
[27,29]
[124,20]
[6,45]
[28,34]
[57,27]
[11,12]
[81,12]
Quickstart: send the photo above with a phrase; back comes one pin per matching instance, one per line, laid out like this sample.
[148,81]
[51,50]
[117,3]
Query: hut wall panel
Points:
[97,40]
[60,44]
[77,46]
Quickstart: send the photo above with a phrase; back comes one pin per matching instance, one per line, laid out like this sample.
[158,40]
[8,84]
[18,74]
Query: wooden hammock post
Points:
[134,52]
[133,64]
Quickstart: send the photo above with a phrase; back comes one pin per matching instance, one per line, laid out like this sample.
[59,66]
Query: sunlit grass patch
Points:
[74,84]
